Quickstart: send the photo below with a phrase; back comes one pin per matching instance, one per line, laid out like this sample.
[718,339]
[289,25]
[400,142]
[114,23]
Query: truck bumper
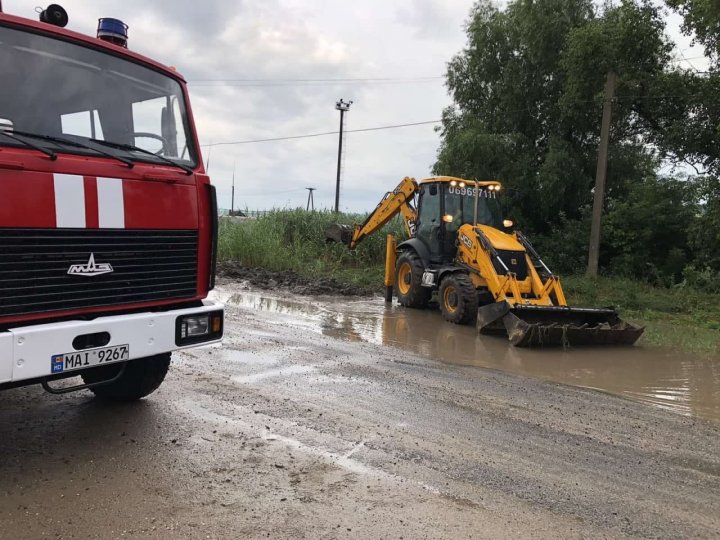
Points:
[26,352]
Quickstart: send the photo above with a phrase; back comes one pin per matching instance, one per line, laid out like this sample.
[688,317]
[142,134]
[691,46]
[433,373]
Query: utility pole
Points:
[600,175]
[232,197]
[311,201]
[343,107]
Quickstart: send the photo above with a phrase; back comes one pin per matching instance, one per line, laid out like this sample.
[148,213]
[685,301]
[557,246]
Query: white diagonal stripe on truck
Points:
[69,201]
[111,207]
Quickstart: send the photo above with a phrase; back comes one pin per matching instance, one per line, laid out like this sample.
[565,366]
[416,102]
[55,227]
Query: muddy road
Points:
[312,423]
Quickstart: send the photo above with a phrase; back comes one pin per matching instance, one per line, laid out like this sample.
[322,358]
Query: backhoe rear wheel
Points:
[408,281]
[458,299]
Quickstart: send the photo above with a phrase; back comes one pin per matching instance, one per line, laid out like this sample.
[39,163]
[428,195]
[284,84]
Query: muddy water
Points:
[684,383]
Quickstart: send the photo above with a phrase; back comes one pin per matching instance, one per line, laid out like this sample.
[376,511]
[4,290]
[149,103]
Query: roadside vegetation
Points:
[295,240]
[677,315]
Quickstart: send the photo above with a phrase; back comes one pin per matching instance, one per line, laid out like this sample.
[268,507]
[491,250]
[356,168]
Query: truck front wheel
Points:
[140,378]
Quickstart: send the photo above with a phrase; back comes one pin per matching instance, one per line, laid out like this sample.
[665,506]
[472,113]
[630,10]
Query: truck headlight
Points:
[196,328]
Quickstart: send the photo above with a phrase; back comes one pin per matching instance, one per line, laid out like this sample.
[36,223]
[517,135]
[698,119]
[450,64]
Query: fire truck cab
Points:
[108,222]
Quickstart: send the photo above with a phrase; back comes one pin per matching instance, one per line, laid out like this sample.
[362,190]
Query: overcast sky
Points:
[218,45]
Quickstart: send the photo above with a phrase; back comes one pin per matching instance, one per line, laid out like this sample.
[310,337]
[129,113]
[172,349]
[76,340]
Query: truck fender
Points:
[419,248]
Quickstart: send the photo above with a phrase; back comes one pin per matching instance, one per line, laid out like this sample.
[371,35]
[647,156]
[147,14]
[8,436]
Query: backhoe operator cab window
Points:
[460,205]
[55,88]
[444,208]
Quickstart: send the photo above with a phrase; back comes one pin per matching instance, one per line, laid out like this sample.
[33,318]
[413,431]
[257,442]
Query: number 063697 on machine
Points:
[92,357]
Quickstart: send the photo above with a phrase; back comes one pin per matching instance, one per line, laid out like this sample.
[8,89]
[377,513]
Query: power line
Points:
[686,59]
[309,135]
[260,194]
[230,84]
[426,122]
[330,79]
[312,82]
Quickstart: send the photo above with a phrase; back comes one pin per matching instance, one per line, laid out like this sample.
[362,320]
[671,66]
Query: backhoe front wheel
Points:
[408,281]
[458,299]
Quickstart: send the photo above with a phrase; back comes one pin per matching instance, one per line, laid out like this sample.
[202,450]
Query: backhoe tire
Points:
[141,378]
[408,281]
[458,299]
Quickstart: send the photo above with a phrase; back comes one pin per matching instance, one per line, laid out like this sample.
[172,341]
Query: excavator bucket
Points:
[547,326]
[339,233]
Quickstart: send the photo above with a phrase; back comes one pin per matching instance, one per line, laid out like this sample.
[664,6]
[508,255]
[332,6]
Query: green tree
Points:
[646,232]
[704,231]
[527,94]
[701,18]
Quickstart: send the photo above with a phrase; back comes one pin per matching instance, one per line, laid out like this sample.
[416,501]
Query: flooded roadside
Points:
[685,383]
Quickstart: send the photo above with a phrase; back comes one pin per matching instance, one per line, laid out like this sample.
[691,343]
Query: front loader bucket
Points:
[339,233]
[547,326]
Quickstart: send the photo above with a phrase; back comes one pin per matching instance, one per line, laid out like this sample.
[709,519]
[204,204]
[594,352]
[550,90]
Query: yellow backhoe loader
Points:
[482,270]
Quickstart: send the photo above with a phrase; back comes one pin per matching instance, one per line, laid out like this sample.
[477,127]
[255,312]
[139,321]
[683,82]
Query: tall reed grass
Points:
[295,240]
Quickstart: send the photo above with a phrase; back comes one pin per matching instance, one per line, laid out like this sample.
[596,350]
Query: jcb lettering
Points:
[411,226]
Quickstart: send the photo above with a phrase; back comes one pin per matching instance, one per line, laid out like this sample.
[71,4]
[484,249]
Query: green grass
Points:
[680,317]
[295,240]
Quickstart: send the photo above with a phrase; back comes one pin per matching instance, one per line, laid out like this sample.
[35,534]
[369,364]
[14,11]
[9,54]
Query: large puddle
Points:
[684,383]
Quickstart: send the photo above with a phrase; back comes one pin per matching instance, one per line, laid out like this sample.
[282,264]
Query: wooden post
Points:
[600,175]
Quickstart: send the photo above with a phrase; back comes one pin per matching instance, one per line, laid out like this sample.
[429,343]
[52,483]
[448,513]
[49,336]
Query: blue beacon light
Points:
[113,30]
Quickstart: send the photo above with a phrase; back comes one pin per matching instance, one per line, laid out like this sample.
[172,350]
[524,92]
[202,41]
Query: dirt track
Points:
[286,433]
[289,281]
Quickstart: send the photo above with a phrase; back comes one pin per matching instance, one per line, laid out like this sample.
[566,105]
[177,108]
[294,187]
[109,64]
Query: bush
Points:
[704,279]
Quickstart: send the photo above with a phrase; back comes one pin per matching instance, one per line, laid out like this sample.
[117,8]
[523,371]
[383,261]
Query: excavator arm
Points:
[398,200]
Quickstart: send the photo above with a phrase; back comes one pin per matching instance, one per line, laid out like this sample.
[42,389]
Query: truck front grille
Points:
[147,265]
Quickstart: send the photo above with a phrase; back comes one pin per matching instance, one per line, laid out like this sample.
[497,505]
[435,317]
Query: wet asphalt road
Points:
[288,433]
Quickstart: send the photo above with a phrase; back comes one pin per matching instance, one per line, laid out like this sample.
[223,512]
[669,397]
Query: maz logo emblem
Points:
[90,269]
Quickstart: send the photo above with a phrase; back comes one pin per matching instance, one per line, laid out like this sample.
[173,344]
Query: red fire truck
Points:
[108,222]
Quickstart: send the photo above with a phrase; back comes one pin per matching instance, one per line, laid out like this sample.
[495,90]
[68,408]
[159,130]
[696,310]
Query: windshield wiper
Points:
[49,153]
[133,148]
[68,142]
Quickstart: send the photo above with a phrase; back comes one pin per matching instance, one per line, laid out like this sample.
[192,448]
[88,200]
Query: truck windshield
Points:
[55,88]
[460,204]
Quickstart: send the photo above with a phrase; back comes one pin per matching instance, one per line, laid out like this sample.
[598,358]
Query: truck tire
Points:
[408,281]
[458,299]
[141,378]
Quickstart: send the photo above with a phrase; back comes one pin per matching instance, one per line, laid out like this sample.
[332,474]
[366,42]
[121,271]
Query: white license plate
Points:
[61,363]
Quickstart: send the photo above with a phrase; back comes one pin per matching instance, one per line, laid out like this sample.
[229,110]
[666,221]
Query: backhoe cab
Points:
[461,247]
